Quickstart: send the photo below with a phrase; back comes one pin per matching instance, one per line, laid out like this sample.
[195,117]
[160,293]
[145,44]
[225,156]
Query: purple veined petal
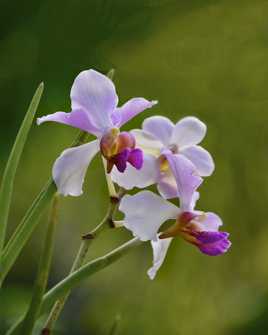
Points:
[188,131]
[201,159]
[147,143]
[145,212]
[135,158]
[142,178]
[70,168]
[160,127]
[186,178]
[76,118]
[95,93]
[213,243]
[130,109]
[160,248]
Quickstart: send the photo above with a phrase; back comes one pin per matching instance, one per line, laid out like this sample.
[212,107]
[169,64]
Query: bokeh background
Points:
[197,57]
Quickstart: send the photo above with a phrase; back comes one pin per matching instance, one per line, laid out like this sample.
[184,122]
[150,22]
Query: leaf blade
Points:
[12,164]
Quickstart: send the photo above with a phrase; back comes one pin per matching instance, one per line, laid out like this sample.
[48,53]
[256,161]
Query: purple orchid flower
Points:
[157,137]
[94,110]
[145,212]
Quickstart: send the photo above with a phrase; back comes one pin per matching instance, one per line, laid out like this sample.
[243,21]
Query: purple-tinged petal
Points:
[186,178]
[160,127]
[70,168]
[135,158]
[188,131]
[76,118]
[145,212]
[130,109]
[201,159]
[167,185]
[95,93]
[142,178]
[213,243]
[160,248]
[209,222]
[120,160]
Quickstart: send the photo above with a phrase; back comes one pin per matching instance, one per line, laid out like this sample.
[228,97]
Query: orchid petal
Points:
[147,142]
[145,212]
[76,118]
[160,248]
[95,93]
[188,131]
[209,222]
[213,243]
[70,168]
[142,178]
[167,185]
[135,158]
[186,178]
[130,109]
[160,127]
[201,159]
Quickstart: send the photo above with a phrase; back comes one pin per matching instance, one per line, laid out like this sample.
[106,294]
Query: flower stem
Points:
[85,271]
[87,240]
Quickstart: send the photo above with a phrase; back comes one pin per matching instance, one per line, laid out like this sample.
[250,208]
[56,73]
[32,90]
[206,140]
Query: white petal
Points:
[95,93]
[160,127]
[142,178]
[201,159]
[145,212]
[160,248]
[70,168]
[147,143]
[188,131]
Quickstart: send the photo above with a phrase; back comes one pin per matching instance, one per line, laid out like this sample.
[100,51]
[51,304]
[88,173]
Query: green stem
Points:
[75,278]
[43,271]
[12,164]
[30,221]
[79,261]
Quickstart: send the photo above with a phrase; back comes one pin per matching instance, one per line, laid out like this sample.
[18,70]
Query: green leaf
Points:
[43,271]
[30,221]
[26,228]
[12,164]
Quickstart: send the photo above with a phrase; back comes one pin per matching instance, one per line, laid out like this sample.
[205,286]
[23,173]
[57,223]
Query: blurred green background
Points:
[197,57]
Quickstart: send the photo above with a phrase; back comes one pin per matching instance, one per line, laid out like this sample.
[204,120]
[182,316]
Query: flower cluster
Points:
[161,153]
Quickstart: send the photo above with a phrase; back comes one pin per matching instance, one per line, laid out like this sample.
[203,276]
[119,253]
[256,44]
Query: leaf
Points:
[30,221]
[12,164]
[43,271]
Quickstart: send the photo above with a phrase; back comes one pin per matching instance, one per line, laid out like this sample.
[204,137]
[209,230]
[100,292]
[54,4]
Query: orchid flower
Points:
[145,212]
[95,111]
[159,135]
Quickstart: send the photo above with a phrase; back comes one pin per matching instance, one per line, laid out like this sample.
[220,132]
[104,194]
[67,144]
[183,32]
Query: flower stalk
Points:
[87,239]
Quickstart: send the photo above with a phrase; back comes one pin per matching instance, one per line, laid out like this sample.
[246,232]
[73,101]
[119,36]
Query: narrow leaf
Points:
[30,221]
[43,271]
[12,164]
[26,228]
[75,278]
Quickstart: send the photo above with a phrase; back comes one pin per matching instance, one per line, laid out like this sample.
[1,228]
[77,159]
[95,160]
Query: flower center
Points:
[119,148]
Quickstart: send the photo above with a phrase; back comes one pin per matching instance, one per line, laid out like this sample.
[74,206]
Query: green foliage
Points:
[12,164]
